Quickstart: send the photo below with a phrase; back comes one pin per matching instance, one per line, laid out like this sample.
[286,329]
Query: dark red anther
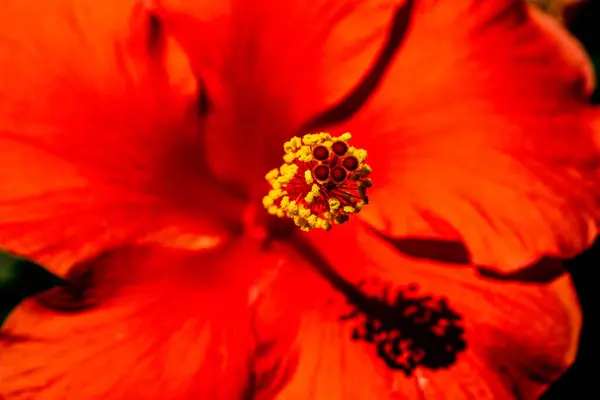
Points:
[338,174]
[321,172]
[350,163]
[339,148]
[321,153]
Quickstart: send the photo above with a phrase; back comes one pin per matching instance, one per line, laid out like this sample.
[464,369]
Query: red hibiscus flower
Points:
[135,143]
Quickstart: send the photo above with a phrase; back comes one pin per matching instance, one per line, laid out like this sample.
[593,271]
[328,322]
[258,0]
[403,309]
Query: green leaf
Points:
[21,278]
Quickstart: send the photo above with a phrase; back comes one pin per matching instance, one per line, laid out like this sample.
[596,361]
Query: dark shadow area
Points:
[80,290]
[407,328]
[457,254]
[580,382]
[443,251]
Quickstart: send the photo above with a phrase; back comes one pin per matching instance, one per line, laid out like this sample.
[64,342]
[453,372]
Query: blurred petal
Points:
[138,331]
[271,66]
[481,132]
[571,50]
[493,91]
[96,140]
[519,337]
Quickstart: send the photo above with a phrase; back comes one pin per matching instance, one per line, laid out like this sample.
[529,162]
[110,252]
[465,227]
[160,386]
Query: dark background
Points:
[582,381]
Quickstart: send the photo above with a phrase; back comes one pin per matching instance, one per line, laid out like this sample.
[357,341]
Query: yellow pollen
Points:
[322,182]
[334,205]
[308,177]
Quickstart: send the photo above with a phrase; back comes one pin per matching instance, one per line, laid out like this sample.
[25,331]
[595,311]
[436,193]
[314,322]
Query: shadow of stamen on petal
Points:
[408,329]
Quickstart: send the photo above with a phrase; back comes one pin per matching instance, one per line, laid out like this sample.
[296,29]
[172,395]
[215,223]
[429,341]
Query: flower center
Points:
[323,180]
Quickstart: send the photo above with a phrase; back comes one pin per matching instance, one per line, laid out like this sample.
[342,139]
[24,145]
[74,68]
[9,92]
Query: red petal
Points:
[520,337]
[179,332]
[271,66]
[95,145]
[482,132]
